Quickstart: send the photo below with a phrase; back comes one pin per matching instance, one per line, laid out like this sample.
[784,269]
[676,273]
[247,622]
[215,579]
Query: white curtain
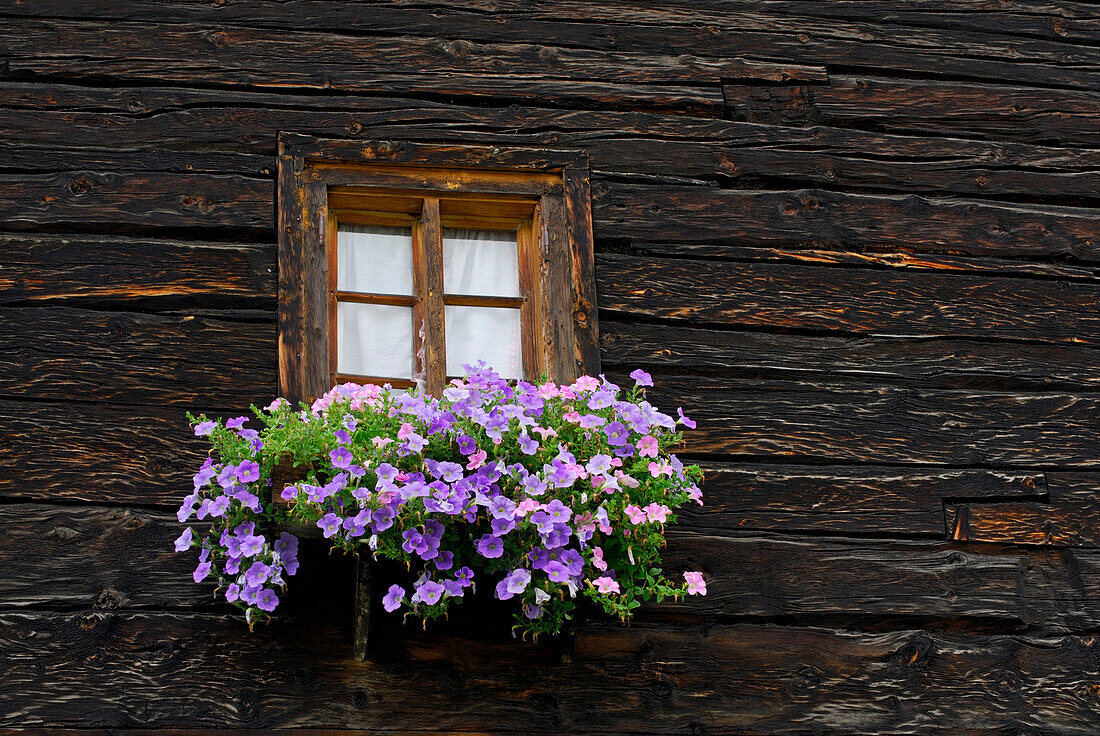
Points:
[482,263]
[374,260]
[374,339]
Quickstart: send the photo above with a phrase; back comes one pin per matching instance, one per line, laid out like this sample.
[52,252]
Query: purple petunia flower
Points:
[428,592]
[641,378]
[183,542]
[329,524]
[233,593]
[248,471]
[342,437]
[517,581]
[267,600]
[341,458]
[236,422]
[490,547]
[558,512]
[257,574]
[465,576]
[617,434]
[218,506]
[228,476]
[392,600]
[202,571]
[557,572]
[684,419]
[252,545]
[202,429]
[528,445]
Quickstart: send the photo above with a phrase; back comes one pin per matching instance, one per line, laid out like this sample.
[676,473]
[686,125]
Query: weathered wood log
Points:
[101,454]
[139,200]
[894,502]
[832,220]
[797,421]
[95,269]
[859,301]
[297,59]
[175,670]
[741,154]
[938,363]
[924,106]
[855,41]
[899,261]
[117,558]
[131,358]
[1069,518]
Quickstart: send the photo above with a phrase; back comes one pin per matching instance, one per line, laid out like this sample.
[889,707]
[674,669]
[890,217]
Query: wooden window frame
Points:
[545,191]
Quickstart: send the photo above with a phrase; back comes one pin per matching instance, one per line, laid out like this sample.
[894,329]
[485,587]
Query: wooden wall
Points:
[857,240]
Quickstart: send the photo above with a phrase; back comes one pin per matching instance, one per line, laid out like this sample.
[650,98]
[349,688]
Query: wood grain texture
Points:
[924,106]
[103,557]
[873,502]
[47,269]
[64,354]
[100,454]
[296,59]
[859,301]
[173,670]
[932,362]
[841,221]
[137,200]
[855,38]
[880,424]
[1069,518]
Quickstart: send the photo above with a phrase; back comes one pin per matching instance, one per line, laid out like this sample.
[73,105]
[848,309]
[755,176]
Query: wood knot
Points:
[110,599]
[201,204]
[64,533]
[1059,26]
[80,185]
[135,105]
[88,620]
[459,48]
[355,127]
[548,54]
[217,38]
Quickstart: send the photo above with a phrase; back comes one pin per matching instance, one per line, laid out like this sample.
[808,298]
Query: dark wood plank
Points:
[853,38]
[1069,518]
[804,420]
[939,363]
[137,200]
[99,454]
[821,219]
[296,59]
[174,670]
[901,261]
[118,558]
[131,358]
[894,502]
[104,268]
[831,157]
[859,301]
[925,106]
[582,286]
[26,158]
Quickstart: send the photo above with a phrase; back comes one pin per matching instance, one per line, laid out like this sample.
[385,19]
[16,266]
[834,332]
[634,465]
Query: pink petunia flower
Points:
[696,584]
[597,558]
[647,446]
[606,585]
[637,516]
[657,513]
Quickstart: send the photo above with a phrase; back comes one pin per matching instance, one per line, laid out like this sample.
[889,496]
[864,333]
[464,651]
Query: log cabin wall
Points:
[857,241]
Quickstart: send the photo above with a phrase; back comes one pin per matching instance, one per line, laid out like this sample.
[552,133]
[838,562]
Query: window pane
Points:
[374,260]
[484,333]
[374,340]
[480,262]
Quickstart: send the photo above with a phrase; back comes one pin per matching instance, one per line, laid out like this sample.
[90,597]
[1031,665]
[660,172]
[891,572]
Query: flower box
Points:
[549,494]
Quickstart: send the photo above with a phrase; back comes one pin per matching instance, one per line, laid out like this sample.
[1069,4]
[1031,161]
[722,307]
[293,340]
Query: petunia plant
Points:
[547,493]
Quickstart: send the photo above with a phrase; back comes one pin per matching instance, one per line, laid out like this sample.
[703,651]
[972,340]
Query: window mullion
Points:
[435,352]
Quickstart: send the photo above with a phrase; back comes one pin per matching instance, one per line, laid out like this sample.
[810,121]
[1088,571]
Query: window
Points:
[401,262]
